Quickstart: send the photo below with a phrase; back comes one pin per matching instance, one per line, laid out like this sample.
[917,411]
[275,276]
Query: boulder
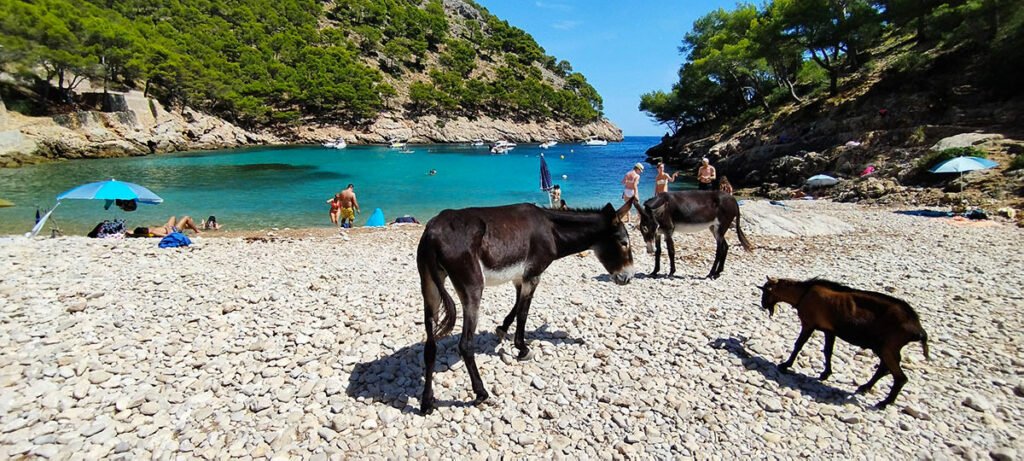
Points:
[965,140]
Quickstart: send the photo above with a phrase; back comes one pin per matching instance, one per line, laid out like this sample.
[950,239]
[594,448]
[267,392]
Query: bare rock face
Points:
[433,129]
[965,140]
[145,128]
[148,128]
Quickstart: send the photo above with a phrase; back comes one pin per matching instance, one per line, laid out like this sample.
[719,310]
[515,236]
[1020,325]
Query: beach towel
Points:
[175,239]
[406,219]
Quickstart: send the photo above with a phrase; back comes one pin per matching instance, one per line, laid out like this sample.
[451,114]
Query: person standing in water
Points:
[335,208]
[705,175]
[661,181]
[349,205]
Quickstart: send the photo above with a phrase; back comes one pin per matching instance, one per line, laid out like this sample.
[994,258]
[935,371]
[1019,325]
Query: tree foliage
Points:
[754,58]
[264,62]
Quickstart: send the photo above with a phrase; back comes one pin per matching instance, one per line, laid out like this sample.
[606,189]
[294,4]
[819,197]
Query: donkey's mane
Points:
[839,287]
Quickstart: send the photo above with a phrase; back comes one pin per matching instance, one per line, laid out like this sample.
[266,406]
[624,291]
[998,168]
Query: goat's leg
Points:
[529,286]
[881,371]
[470,297]
[891,358]
[503,329]
[805,334]
[830,341]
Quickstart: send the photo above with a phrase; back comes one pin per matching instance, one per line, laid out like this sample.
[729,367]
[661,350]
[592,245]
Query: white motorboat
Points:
[396,144]
[406,151]
[549,143]
[477,142]
[499,150]
[336,144]
[504,143]
[594,141]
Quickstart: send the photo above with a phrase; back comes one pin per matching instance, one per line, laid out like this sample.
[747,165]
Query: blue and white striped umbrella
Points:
[112,190]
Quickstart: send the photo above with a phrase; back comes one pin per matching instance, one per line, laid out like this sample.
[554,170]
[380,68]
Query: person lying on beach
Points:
[210,224]
[169,228]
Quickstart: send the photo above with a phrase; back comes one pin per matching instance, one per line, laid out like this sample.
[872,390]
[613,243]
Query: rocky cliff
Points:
[881,119]
[145,127]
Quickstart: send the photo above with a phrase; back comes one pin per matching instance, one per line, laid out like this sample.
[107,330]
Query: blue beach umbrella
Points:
[545,175]
[962,165]
[112,190]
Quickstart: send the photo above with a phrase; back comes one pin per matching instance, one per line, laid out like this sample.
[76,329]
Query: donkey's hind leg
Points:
[721,251]
[526,297]
[502,330]
[470,295]
[431,303]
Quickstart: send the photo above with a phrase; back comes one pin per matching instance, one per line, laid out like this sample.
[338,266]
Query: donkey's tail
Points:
[924,345]
[430,272]
[739,233]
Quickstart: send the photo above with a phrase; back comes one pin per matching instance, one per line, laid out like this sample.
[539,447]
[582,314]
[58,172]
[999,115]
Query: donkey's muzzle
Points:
[650,248]
[623,276]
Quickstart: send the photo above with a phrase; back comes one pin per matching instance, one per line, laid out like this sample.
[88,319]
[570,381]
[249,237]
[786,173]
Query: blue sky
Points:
[625,48]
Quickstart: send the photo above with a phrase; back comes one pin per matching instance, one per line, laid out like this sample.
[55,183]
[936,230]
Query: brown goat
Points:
[867,319]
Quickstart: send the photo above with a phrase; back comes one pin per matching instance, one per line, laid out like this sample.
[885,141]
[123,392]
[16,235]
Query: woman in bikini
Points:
[661,181]
[335,208]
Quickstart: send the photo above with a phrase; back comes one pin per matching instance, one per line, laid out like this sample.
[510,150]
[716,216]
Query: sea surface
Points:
[287,187]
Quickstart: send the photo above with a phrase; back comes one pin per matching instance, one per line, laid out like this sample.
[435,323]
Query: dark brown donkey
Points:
[490,246]
[689,211]
[867,319]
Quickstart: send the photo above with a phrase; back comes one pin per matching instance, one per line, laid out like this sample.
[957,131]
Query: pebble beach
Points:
[308,345]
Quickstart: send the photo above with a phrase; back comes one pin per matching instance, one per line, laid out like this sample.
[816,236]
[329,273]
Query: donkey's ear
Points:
[624,209]
[608,209]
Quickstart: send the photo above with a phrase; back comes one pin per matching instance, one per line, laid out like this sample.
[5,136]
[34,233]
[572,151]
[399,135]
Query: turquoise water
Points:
[267,187]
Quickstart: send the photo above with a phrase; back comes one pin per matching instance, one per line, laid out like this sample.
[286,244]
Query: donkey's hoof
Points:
[862,390]
[525,356]
[480,399]
[427,408]
[501,332]
[881,405]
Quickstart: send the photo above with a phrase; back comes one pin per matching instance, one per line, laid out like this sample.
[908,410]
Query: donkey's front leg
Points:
[671,245]
[467,346]
[526,297]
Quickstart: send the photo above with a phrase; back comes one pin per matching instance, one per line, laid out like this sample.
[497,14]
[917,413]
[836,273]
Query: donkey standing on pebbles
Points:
[491,246]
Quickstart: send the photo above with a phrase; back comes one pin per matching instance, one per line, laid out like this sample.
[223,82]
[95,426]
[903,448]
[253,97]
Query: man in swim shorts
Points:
[349,206]
[631,182]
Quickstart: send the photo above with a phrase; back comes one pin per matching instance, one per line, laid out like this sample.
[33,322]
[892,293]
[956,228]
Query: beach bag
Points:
[175,239]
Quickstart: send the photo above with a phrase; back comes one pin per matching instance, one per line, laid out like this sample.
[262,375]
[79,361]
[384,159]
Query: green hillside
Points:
[752,61]
[261,62]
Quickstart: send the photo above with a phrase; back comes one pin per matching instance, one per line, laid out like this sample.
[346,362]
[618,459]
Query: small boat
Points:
[396,144]
[549,143]
[406,151]
[499,150]
[336,144]
[594,141]
[477,142]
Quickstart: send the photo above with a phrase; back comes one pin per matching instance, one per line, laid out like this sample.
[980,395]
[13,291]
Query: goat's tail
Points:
[739,232]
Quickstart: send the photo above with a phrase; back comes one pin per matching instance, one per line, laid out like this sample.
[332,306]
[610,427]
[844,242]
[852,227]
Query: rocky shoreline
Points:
[141,126]
[273,346]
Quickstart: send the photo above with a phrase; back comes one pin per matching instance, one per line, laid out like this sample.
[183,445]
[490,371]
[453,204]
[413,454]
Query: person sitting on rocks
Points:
[210,223]
[169,228]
